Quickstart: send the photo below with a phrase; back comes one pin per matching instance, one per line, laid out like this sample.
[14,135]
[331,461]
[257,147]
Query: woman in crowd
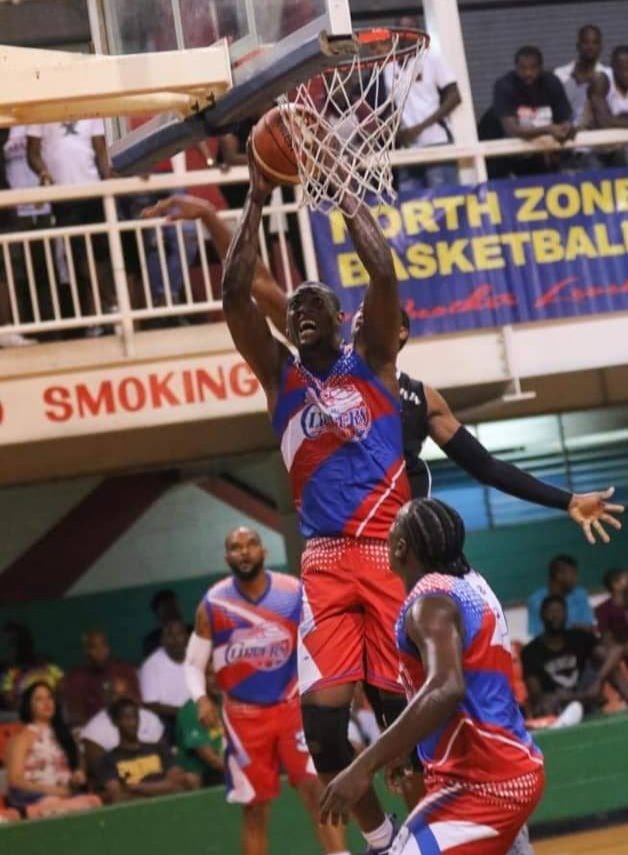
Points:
[44,773]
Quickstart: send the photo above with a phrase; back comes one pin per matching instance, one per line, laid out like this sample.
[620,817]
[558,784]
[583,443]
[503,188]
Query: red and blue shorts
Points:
[467,818]
[263,741]
[351,601]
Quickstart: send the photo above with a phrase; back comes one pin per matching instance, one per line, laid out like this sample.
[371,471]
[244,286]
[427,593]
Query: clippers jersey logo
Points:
[265,647]
[341,410]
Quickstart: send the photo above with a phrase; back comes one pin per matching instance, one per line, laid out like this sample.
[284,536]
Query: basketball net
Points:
[343,122]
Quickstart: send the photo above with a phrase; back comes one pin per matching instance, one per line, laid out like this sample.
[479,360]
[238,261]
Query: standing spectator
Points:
[612,614]
[165,607]
[76,153]
[136,769]
[84,685]
[251,619]
[100,733]
[563,665]
[608,94]
[562,581]
[529,102]
[432,97]
[576,76]
[162,676]
[200,746]
[44,772]
[26,666]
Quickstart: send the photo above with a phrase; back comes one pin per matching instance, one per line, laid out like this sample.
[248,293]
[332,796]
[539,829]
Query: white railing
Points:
[58,279]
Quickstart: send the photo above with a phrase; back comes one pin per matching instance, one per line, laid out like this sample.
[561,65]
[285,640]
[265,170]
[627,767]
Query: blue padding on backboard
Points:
[156,141]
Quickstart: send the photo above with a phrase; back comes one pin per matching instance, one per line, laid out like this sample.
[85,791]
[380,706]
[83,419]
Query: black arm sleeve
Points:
[464,449]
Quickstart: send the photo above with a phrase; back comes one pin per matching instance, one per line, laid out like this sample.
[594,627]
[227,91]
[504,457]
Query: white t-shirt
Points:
[162,680]
[67,149]
[424,97]
[101,730]
[577,93]
[19,173]
[617,101]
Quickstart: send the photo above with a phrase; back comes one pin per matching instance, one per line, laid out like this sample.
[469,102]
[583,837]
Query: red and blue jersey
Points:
[254,642]
[485,739]
[341,442]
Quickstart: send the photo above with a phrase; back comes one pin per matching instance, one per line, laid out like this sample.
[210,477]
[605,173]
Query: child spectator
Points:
[84,685]
[563,581]
[44,773]
[200,747]
[612,614]
[135,769]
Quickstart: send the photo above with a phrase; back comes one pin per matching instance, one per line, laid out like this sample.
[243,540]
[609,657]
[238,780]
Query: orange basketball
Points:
[272,148]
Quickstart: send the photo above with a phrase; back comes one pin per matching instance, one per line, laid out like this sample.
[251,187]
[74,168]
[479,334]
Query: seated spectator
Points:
[199,748]
[529,102]
[136,769]
[84,685]
[25,667]
[165,607]
[564,665]
[608,96]
[563,581]
[44,773]
[576,76]
[612,614]
[162,676]
[100,733]
[432,97]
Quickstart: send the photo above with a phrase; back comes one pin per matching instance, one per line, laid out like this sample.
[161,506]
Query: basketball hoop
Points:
[353,111]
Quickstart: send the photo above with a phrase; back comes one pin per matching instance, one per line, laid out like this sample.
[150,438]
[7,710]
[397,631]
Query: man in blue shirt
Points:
[563,581]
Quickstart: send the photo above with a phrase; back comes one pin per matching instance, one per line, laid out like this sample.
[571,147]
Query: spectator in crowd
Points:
[432,97]
[162,676]
[608,94]
[564,665]
[100,733]
[26,666]
[529,102]
[44,773]
[563,581]
[84,685]
[612,614]
[165,607]
[136,769]
[76,153]
[576,76]
[200,746]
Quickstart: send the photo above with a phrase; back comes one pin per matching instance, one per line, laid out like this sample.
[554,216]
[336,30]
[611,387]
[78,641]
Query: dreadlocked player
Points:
[483,773]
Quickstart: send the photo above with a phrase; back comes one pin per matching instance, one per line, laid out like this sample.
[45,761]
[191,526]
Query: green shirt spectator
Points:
[199,750]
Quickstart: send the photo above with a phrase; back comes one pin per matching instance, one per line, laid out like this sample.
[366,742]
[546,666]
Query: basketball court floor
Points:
[605,841]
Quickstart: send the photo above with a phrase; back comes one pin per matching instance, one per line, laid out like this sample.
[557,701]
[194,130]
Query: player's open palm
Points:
[345,790]
[592,511]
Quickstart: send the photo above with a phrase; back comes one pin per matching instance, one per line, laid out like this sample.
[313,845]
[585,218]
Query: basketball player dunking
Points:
[335,410]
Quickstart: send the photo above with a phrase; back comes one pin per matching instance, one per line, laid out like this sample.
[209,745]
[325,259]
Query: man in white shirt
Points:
[432,96]
[162,676]
[608,94]
[100,733]
[76,153]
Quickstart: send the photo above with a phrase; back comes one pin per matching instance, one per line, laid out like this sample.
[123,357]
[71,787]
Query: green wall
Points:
[514,559]
[587,773]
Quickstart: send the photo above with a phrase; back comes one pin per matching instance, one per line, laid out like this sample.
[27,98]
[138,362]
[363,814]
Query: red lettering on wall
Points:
[132,394]
[205,382]
[59,397]
[160,391]
[86,404]
[242,380]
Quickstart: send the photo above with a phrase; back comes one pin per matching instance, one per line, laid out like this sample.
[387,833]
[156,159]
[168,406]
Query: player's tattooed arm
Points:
[247,324]
[434,625]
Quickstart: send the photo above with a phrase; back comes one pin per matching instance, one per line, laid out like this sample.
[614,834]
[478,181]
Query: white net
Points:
[343,122]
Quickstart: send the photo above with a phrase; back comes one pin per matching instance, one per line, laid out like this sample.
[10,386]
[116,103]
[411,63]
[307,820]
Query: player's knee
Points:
[326,735]
[387,706]
[256,816]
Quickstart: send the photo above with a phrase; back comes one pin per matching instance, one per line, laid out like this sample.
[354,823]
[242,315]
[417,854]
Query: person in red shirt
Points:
[612,614]
[84,687]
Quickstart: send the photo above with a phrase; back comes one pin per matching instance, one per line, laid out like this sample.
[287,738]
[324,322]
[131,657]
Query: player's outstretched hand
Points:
[345,790]
[178,208]
[590,510]
[261,185]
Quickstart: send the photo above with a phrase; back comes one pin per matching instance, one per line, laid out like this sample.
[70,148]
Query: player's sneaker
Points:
[386,850]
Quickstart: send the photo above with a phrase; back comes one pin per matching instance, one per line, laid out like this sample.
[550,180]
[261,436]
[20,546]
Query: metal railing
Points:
[122,274]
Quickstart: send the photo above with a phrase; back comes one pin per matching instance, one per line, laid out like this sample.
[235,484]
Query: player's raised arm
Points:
[247,324]
[379,342]
[433,625]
